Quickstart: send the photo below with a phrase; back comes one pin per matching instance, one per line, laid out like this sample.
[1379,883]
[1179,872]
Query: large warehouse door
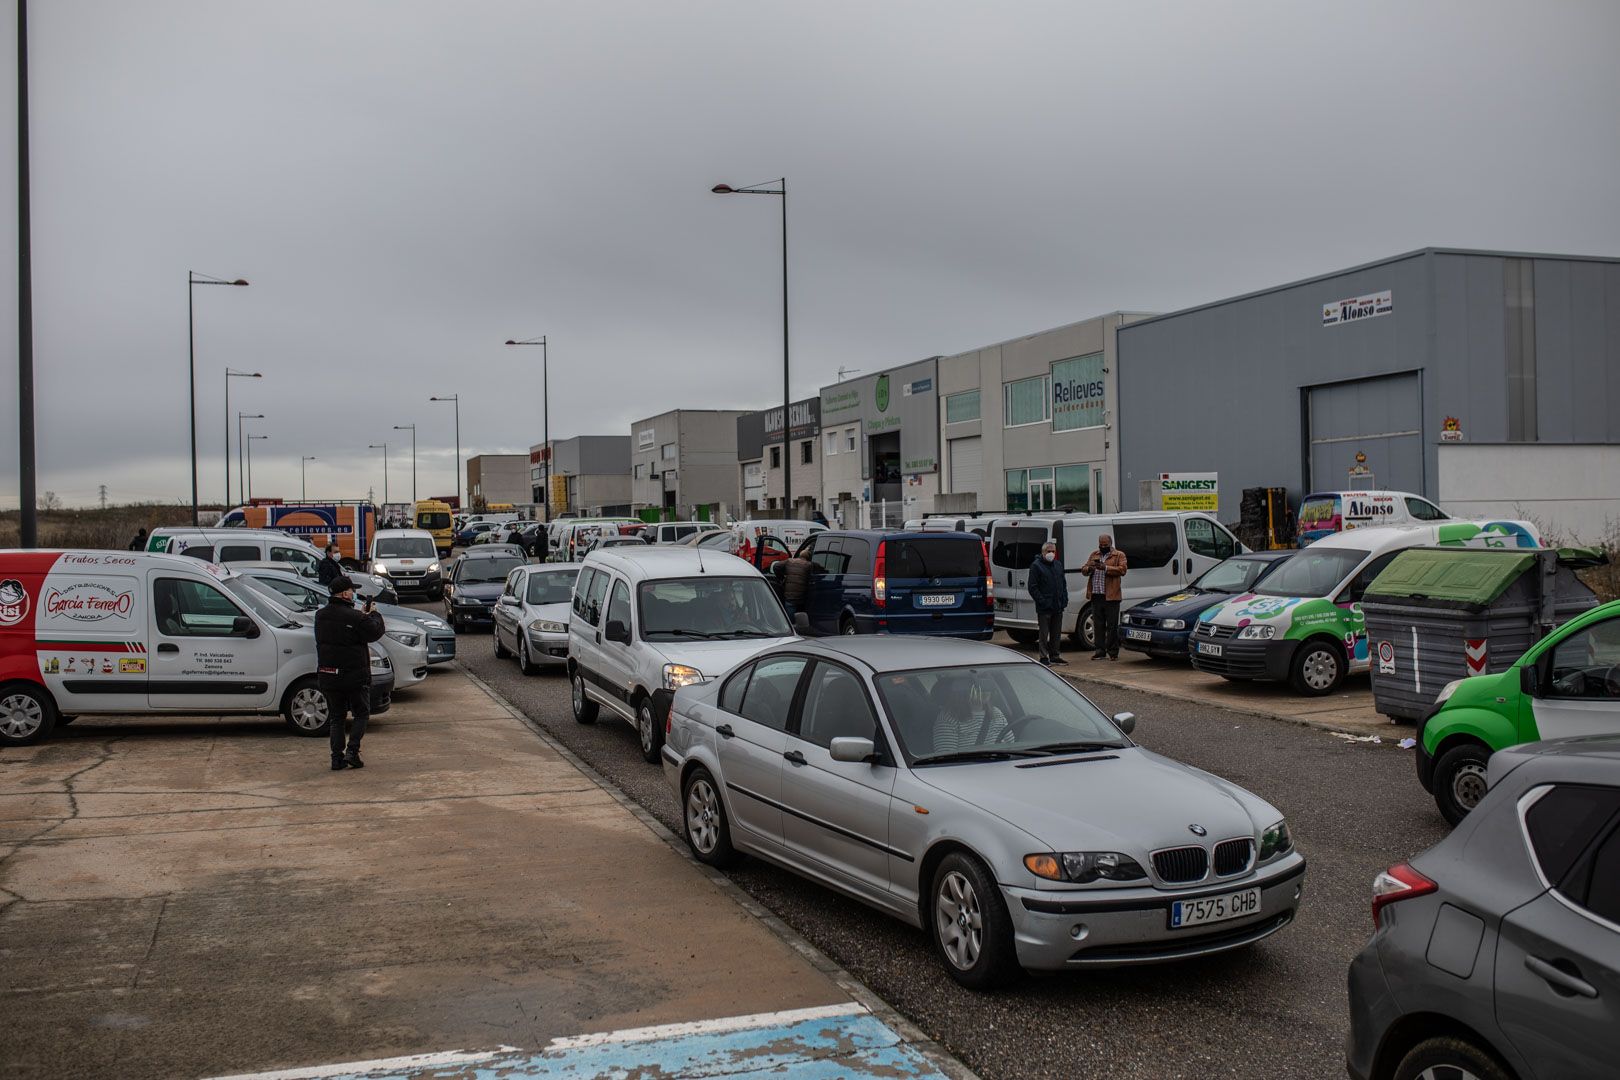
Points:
[967,463]
[1382,418]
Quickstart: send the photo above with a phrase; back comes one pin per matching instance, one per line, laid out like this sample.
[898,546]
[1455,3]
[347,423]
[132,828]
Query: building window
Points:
[668,453]
[1074,488]
[832,443]
[1017,491]
[641,470]
[849,440]
[807,454]
[1519,331]
[1027,401]
[776,457]
[962,407]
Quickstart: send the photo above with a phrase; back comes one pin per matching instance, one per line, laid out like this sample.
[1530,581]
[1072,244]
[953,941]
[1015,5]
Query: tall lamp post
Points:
[412,429]
[303,479]
[192,281]
[28,517]
[241,474]
[787,394]
[545,414]
[232,373]
[251,440]
[384,448]
[456,399]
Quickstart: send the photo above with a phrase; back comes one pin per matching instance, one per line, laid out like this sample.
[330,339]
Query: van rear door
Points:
[90,635]
[1015,543]
[935,585]
[207,653]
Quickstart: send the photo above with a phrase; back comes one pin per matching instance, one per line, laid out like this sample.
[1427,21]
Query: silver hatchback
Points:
[973,793]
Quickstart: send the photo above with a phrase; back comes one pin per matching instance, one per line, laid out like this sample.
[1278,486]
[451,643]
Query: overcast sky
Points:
[408,183]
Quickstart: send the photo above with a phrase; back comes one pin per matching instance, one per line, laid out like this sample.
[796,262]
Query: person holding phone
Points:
[343,636]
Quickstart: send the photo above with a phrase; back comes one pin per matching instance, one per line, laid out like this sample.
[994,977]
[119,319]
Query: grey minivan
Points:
[1496,953]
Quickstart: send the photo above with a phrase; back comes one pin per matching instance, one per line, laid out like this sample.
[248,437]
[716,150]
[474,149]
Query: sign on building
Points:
[1357,308]
[646,437]
[1189,491]
[1079,399]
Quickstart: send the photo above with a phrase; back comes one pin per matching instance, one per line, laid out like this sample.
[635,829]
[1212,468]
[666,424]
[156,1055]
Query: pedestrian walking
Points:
[793,575]
[1050,590]
[138,542]
[542,543]
[1103,571]
[343,635]
[331,567]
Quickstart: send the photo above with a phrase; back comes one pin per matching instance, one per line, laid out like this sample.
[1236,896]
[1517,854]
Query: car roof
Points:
[421,534]
[905,652]
[905,534]
[491,551]
[656,561]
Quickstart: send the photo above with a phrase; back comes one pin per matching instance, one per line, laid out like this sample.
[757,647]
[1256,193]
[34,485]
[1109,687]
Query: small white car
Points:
[644,623]
[408,559]
[531,616]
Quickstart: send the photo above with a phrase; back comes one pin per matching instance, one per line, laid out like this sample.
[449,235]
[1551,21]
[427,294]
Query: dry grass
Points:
[109,528]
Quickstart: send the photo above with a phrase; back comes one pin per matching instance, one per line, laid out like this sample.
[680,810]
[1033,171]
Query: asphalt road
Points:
[1275,1010]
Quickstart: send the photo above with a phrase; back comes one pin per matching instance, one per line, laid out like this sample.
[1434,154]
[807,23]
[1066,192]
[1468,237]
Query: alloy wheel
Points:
[20,716]
[959,920]
[309,708]
[578,693]
[523,654]
[1448,1072]
[1468,784]
[702,816]
[644,727]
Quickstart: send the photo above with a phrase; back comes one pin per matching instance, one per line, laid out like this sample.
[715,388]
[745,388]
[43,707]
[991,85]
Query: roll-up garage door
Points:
[967,463]
[1381,418]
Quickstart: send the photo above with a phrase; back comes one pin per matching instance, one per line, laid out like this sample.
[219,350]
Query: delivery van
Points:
[237,546]
[434,516]
[351,525]
[143,634]
[1324,513]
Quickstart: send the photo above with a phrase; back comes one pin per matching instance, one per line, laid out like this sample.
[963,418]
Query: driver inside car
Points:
[965,717]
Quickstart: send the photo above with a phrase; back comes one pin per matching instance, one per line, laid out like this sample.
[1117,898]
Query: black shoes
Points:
[1045,662]
[338,764]
[1099,656]
[1060,660]
[354,762]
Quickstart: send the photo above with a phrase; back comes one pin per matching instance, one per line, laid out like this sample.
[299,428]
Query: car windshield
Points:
[405,547]
[433,520]
[955,714]
[551,587]
[480,571]
[1234,575]
[292,594]
[264,603]
[1313,572]
[710,608]
[724,541]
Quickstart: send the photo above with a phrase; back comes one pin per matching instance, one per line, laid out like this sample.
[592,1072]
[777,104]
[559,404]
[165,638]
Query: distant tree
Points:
[50,501]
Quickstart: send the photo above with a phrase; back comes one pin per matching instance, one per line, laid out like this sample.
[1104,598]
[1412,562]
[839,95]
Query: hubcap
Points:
[1090,632]
[959,921]
[1447,1072]
[523,653]
[702,817]
[20,716]
[309,709]
[646,726]
[1321,668]
[1468,786]
[579,695]
[849,628]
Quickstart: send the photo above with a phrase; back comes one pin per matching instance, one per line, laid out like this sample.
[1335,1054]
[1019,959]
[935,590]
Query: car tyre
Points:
[847,626]
[969,925]
[27,714]
[1459,780]
[1085,630]
[501,651]
[1024,637]
[526,662]
[1449,1056]
[306,708]
[649,730]
[1317,668]
[585,709]
[704,823]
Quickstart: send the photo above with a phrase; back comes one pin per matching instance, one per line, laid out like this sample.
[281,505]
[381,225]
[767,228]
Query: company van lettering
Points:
[89,602]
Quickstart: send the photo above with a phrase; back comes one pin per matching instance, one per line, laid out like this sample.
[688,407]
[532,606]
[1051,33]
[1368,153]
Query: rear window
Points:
[931,557]
[435,520]
[1017,547]
[1564,821]
[1319,512]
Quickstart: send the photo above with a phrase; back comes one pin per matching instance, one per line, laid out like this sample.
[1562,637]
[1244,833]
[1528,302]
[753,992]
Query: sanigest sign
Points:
[1357,308]
[1189,491]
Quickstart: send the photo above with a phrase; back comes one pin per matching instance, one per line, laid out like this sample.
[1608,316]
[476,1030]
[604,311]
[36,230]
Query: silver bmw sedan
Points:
[975,794]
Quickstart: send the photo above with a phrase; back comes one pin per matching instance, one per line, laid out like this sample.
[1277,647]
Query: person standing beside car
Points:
[1050,590]
[138,542]
[794,576]
[331,567]
[1103,571]
[343,635]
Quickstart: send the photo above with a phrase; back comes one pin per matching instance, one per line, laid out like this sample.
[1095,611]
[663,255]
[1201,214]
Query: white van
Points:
[669,532]
[238,545]
[1324,513]
[978,524]
[408,558]
[145,634]
[1163,549]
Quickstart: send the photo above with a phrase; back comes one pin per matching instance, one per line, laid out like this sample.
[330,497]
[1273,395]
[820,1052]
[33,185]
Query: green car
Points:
[1568,683]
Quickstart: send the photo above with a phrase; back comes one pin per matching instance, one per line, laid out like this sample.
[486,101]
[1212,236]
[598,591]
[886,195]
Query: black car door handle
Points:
[795,757]
[1561,980]
[167,647]
[724,731]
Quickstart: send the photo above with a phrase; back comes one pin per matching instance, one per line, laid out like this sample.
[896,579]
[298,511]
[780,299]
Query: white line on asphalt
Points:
[718,1026]
[412,1061]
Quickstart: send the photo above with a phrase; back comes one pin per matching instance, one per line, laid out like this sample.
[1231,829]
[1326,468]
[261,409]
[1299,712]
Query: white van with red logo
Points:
[139,633]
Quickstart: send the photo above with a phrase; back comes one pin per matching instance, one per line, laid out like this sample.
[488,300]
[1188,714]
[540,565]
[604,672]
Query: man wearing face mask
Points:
[331,567]
[1051,594]
[1103,571]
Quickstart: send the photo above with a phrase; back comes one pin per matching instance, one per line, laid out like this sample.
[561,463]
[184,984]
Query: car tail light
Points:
[880,580]
[1399,882]
[989,576]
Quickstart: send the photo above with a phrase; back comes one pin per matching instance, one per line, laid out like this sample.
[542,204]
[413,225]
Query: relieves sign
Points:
[1189,491]
[1078,396]
[1357,308]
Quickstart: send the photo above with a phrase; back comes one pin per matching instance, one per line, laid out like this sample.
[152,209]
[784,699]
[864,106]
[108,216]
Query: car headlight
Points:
[1124,620]
[406,639]
[679,675]
[1275,841]
[432,624]
[1447,690]
[380,570]
[1173,624]
[1261,631]
[1082,867]
[380,662]
[433,568]
[546,626]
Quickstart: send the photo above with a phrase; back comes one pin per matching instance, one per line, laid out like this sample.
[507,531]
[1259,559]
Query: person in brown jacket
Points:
[793,579]
[1103,571]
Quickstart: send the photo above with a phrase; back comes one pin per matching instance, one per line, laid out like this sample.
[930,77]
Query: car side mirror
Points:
[801,622]
[851,748]
[242,626]
[1529,679]
[509,601]
[1126,721]
[617,631]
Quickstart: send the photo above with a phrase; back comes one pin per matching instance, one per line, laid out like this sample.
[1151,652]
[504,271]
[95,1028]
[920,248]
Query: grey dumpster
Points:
[1438,614]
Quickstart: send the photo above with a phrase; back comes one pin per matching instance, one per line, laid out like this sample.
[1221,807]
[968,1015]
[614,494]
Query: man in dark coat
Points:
[138,543]
[1050,591]
[343,634]
[793,575]
[331,567]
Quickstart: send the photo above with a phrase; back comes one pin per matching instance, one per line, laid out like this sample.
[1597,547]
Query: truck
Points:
[350,525]
[434,516]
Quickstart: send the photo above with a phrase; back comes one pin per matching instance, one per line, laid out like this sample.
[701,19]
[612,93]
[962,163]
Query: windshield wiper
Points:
[752,634]
[687,633]
[982,754]
[1075,747]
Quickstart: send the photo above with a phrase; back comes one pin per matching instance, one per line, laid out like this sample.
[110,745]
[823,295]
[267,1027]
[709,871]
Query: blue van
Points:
[871,582]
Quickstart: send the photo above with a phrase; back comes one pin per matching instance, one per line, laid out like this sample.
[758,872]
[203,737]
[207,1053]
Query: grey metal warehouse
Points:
[1436,372]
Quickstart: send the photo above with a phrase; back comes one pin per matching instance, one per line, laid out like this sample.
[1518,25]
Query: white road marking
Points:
[411,1061]
[719,1026]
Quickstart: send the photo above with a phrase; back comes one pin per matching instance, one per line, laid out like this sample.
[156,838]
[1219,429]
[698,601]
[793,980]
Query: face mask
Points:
[1106,548]
[1050,556]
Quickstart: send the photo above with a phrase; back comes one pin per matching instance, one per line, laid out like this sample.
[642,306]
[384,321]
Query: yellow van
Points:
[434,516]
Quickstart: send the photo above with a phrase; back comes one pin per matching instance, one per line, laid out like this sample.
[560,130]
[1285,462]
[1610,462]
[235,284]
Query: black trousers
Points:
[1105,624]
[347,700]
[1050,624]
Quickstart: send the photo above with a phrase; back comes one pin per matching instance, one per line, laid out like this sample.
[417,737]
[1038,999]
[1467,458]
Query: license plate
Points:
[1213,909]
[1207,649]
[936,599]
[1003,605]
[1138,635]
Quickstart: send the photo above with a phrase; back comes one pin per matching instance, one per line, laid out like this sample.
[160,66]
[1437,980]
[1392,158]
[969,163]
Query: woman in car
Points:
[966,717]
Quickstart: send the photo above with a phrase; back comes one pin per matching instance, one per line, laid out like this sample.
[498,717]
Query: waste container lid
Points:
[1462,575]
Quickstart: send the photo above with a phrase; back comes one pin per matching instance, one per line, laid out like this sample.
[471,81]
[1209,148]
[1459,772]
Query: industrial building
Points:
[764,459]
[1485,379]
[497,478]
[880,461]
[684,463]
[590,475]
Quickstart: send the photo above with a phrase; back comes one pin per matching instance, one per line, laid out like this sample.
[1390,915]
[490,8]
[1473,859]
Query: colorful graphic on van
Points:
[89,602]
[13,602]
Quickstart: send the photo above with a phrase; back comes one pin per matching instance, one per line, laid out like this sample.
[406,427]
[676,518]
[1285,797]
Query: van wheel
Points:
[306,709]
[846,625]
[1085,630]
[585,709]
[1449,1056]
[1318,668]
[650,730]
[1459,780]
[1024,637]
[27,714]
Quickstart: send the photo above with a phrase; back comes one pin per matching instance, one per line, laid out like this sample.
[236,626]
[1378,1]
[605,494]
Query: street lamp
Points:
[250,440]
[303,479]
[545,414]
[384,448]
[241,475]
[787,394]
[192,281]
[412,429]
[456,398]
[231,373]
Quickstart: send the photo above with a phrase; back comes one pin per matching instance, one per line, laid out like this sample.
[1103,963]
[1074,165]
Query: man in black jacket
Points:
[343,635]
[1050,590]
[331,567]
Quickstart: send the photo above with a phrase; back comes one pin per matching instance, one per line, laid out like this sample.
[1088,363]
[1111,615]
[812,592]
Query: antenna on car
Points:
[701,568]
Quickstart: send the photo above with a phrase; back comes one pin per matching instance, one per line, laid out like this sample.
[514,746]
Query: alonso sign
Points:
[1357,308]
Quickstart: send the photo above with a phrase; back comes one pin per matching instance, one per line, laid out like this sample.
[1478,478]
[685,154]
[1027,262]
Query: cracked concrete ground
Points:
[198,896]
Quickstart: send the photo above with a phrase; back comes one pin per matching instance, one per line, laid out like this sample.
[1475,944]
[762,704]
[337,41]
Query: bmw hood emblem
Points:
[1198,830]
